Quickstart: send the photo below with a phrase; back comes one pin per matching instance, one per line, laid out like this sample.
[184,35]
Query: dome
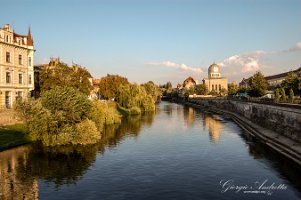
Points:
[214,71]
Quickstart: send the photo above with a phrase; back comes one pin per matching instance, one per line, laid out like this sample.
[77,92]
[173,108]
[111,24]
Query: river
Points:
[176,153]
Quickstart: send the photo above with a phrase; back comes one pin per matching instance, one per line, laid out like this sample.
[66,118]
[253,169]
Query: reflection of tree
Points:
[61,165]
[21,167]
[130,126]
[214,126]
[15,185]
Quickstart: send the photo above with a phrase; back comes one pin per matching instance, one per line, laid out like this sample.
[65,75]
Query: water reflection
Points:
[14,181]
[21,167]
[214,126]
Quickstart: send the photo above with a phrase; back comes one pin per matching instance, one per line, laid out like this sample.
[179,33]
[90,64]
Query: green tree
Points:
[201,89]
[291,95]
[283,95]
[258,85]
[152,90]
[293,81]
[62,75]
[109,85]
[277,94]
[168,85]
[232,88]
[133,99]
[59,117]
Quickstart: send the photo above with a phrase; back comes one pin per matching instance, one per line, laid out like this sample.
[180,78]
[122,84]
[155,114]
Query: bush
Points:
[87,133]
[60,117]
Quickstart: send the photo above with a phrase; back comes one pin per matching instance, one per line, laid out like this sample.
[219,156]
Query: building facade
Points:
[215,82]
[16,66]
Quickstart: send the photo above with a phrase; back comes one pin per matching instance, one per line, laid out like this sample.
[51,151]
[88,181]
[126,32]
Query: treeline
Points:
[64,115]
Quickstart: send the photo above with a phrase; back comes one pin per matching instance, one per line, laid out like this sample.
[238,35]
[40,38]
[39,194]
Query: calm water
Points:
[177,153]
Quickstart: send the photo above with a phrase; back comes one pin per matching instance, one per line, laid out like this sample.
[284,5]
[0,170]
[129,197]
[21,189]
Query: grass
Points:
[12,136]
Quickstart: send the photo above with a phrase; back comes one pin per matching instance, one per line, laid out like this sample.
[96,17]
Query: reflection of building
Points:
[189,116]
[214,127]
[16,65]
[215,82]
[14,182]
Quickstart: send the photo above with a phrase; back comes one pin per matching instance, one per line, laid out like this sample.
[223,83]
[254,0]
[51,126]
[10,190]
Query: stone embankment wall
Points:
[285,120]
[8,116]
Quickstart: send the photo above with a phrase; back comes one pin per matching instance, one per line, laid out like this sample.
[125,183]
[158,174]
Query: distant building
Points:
[273,80]
[16,66]
[215,82]
[189,82]
[276,80]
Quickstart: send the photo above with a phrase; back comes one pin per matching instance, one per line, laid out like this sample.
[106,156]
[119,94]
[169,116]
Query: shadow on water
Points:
[286,168]
[21,167]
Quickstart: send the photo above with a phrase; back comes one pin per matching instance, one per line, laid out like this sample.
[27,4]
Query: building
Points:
[189,82]
[276,80]
[273,80]
[16,66]
[215,82]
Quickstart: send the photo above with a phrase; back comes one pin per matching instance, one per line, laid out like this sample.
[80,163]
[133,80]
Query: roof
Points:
[282,75]
[189,79]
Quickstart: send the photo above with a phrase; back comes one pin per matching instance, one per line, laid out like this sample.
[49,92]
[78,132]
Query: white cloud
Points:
[182,67]
[297,47]
[248,62]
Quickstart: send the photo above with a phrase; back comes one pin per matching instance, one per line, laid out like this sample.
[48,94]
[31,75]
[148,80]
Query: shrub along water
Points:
[63,115]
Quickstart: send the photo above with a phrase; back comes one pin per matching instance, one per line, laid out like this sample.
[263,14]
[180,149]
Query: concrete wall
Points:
[281,119]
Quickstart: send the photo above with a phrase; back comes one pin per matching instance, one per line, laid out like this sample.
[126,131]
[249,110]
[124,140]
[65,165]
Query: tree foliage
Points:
[232,88]
[277,95]
[109,85]
[291,95]
[134,99]
[63,115]
[293,81]
[258,85]
[152,90]
[283,95]
[62,75]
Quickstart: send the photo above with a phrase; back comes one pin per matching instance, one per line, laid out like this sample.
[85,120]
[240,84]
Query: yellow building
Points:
[16,66]
[215,82]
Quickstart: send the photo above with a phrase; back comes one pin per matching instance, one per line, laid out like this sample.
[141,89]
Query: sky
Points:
[163,40]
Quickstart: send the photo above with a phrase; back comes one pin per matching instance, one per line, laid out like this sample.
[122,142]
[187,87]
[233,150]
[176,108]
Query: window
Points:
[7,38]
[20,78]
[29,61]
[29,79]
[212,87]
[216,87]
[8,57]
[8,77]
[20,60]
[220,87]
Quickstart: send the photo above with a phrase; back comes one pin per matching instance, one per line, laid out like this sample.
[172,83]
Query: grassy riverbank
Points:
[12,135]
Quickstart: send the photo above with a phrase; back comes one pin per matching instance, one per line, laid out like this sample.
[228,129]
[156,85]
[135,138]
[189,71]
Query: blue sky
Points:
[166,40]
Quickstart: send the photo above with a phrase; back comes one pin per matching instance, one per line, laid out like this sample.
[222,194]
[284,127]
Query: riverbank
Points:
[281,144]
[13,136]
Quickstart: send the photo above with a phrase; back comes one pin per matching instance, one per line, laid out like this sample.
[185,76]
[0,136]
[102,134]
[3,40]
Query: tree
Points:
[168,85]
[108,85]
[62,75]
[293,81]
[277,94]
[201,89]
[232,88]
[59,117]
[258,85]
[133,99]
[283,95]
[152,90]
[291,95]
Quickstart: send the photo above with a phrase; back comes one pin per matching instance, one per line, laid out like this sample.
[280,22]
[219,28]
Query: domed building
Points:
[215,82]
